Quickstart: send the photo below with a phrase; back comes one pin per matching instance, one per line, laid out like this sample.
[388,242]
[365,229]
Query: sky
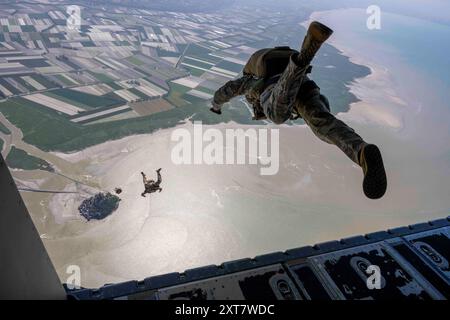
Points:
[434,10]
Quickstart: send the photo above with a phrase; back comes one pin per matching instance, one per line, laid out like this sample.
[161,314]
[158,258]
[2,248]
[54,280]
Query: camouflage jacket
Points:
[151,187]
[249,86]
[252,88]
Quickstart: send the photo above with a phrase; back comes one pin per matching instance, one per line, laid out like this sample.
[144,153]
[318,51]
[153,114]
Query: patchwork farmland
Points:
[124,71]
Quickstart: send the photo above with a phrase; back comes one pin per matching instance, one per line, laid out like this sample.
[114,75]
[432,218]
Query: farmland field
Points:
[65,80]
[51,131]
[19,159]
[145,108]
[176,94]
[102,77]
[134,60]
[89,100]
[4,129]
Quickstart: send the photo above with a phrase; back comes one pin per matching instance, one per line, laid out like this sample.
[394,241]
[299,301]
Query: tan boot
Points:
[316,35]
[375,182]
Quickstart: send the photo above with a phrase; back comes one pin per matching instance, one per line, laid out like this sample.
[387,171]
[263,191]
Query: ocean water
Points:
[415,54]
[422,44]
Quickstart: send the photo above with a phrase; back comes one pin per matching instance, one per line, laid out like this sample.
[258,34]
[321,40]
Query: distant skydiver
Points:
[151,185]
[275,82]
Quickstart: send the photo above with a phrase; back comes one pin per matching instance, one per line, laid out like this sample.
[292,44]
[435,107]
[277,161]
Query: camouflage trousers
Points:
[295,90]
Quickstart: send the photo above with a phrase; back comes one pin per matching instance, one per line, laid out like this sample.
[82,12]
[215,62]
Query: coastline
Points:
[371,90]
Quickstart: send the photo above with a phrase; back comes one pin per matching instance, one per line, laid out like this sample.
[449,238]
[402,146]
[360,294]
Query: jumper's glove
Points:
[216,108]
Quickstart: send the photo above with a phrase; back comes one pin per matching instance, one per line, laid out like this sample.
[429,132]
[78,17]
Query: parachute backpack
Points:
[268,62]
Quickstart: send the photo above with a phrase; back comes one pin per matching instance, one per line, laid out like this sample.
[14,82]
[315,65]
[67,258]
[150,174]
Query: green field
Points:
[8,86]
[4,129]
[25,84]
[166,73]
[101,77]
[114,86]
[164,53]
[138,93]
[194,71]
[197,63]
[51,131]
[44,81]
[196,101]
[176,93]
[122,43]
[88,43]
[34,63]
[230,66]
[19,159]
[199,52]
[64,99]
[64,80]
[205,90]
[134,60]
[88,100]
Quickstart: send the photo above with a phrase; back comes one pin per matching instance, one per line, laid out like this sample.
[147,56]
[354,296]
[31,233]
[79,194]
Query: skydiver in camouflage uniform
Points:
[291,94]
[151,185]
